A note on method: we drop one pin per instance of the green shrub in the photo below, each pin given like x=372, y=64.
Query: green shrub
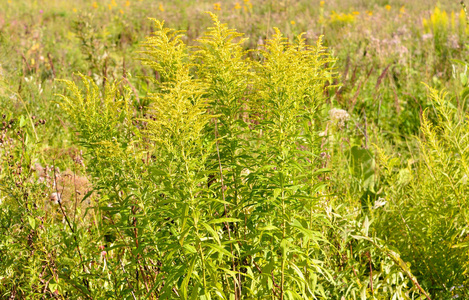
x=427, y=216
x=212, y=186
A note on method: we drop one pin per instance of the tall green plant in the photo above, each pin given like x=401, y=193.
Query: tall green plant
x=218, y=190
x=427, y=214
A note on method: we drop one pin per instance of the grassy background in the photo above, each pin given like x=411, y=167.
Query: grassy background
x=385, y=51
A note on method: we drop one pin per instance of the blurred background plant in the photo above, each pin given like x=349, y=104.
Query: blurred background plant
x=376, y=161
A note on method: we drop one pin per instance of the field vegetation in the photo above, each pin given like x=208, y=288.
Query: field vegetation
x=249, y=149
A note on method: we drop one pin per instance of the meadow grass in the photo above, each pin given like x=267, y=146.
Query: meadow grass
x=266, y=150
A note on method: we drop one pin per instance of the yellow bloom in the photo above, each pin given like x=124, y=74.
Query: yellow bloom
x=95, y=4
x=121, y=11
x=237, y=5
x=246, y=1
x=322, y=3
x=110, y=6
x=402, y=9
x=217, y=6
x=75, y=10
x=292, y=22
x=127, y=3
x=160, y=7
x=370, y=13
x=388, y=7
x=355, y=13
x=113, y=3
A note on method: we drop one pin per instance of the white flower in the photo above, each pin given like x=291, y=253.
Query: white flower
x=56, y=198
x=380, y=202
x=427, y=36
x=339, y=115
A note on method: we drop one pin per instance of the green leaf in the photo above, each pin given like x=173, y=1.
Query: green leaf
x=223, y=220
x=461, y=245
x=32, y=222
x=22, y=121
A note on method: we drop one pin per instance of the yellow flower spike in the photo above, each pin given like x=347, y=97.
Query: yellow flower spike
x=388, y=7
x=95, y=4
x=462, y=21
x=321, y=4
x=121, y=11
x=127, y=3
x=110, y=6
x=160, y=7
x=402, y=9
x=113, y=3
x=237, y=6
x=217, y=6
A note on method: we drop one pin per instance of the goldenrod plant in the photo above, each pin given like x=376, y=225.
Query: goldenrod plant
x=185, y=159
x=216, y=190
x=426, y=209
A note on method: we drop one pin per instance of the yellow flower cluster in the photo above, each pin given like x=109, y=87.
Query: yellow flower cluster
x=342, y=18
x=439, y=23
x=112, y=4
x=217, y=6
x=247, y=5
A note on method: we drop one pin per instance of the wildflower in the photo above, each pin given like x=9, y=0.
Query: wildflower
x=121, y=11
x=217, y=6
x=339, y=115
x=370, y=13
x=75, y=10
x=388, y=7
x=41, y=11
x=113, y=3
x=127, y=3
x=453, y=41
x=237, y=6
x=95, y=4
x=160, y=7
x=355, y=13
x=56, y=198
x=292, y=22
x=402, y=9
x=321, y=4
x=380, y=202
x=248, y=5
x=427, y=36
